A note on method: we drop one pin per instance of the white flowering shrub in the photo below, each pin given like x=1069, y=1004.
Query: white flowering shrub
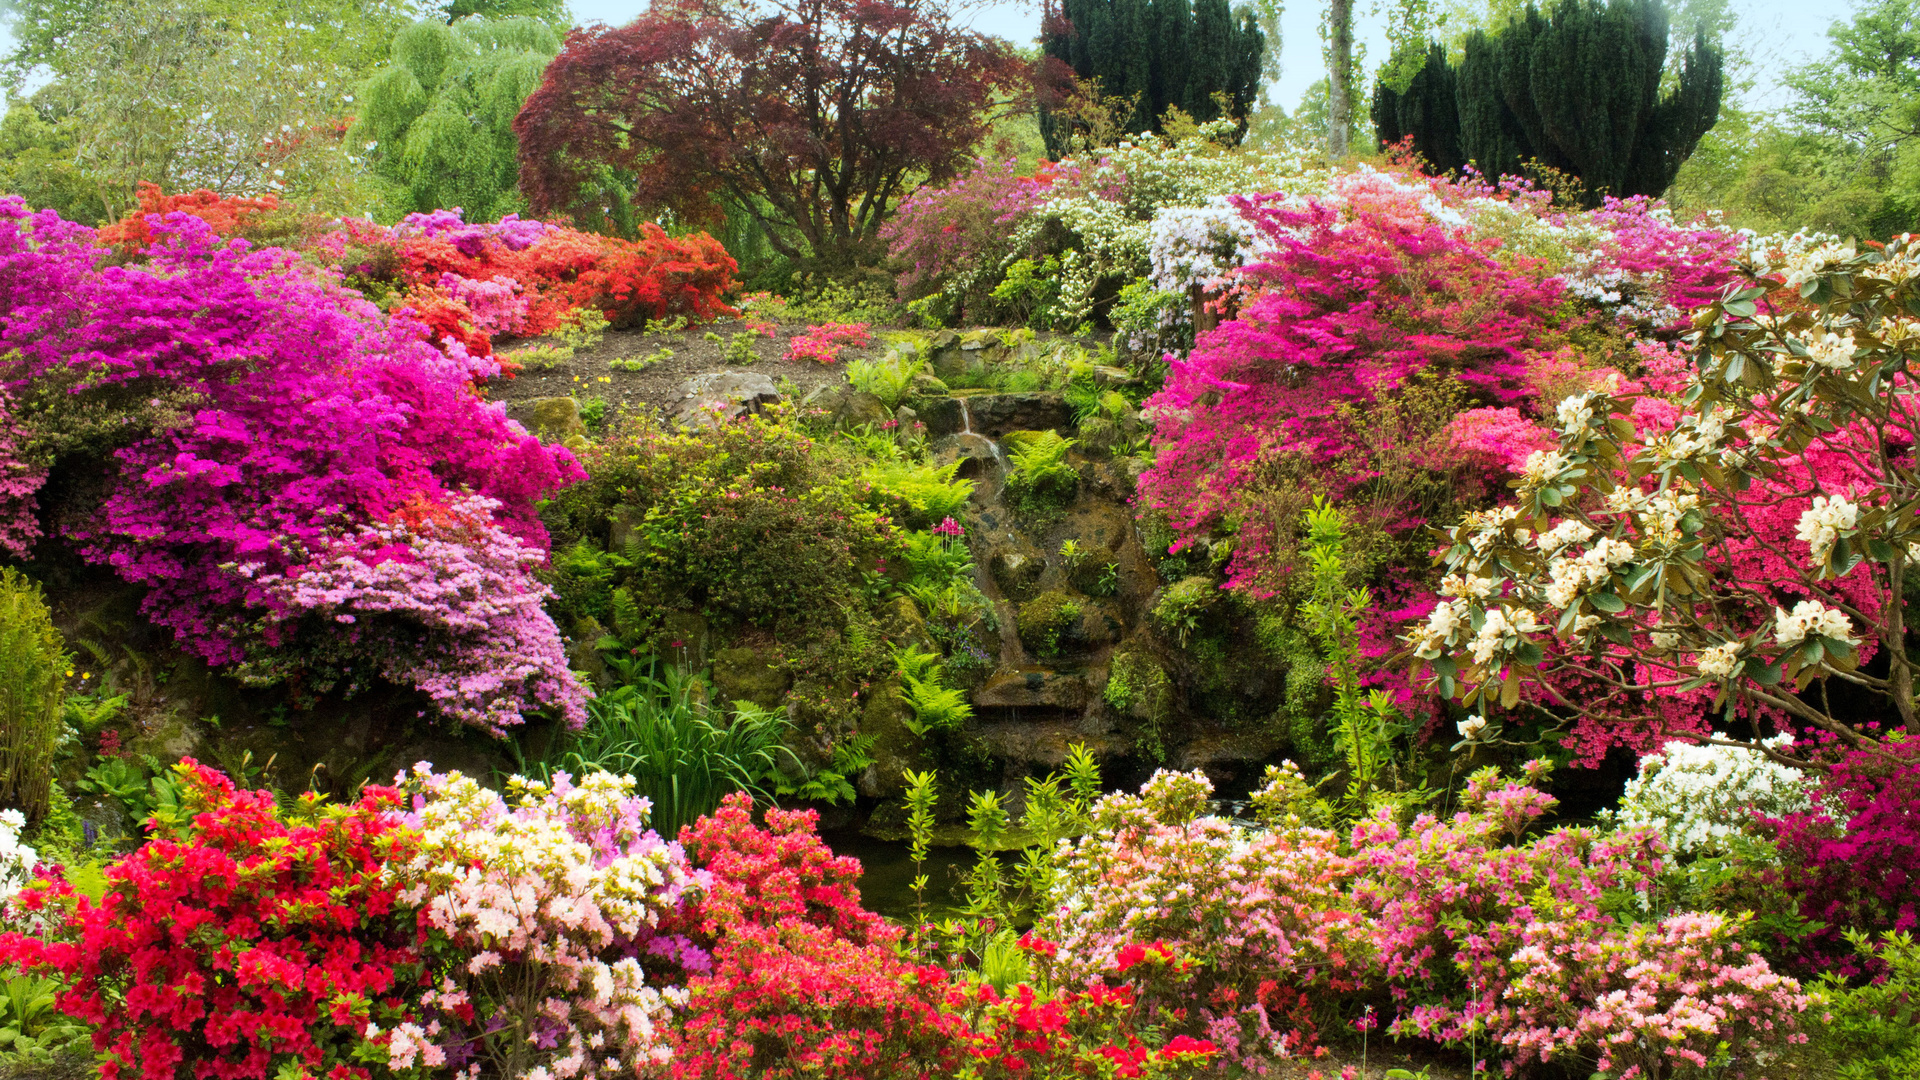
x=17, y=860
x=1700, y=798
x=1653, y=574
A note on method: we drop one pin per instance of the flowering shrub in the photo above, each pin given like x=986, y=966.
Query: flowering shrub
x=239, y=942
x=225, y=215
x=257, y=415
x=1852, y=858
x=541, y=911
x=1649, y=556
x=1350, y=305
x=1697, y=799
x=17, y=860
x=823, y=344
x=470, y=281
x=1469, y=931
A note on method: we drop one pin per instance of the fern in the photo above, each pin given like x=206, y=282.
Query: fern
x=930, y=492
x=889, y=378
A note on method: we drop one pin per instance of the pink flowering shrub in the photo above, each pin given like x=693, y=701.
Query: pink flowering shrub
x=1348, y=306
x=1458, y=929
x=19, y=480
x=540, y=914
x=444, y=598
x=823, y=344
x=261, y=416
x=949, y=238
x=1852, y=860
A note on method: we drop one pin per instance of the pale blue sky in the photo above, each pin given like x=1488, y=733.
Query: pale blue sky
x=1778, y=33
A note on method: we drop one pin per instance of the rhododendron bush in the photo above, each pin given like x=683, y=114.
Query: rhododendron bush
x=299, y=482
x=1731, y=553
x=1461, y=929
x=472, y=281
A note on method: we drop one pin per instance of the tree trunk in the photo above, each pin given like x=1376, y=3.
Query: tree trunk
x=1339, y=76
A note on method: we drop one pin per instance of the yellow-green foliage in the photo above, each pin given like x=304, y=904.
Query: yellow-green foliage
x=889, y=378
x=582, y=328
x=929, y=492
x=33, y=680
x=1041, y=476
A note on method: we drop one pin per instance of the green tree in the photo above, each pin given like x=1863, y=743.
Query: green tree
x=438, y=117
x=1156, y=54
x=37, y=139
x=241, y=96
x=1423, y=109
x=1587, y=91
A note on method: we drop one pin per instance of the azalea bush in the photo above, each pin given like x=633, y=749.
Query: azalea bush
x=295, y=479
x=525, y=278
x=239, y=941
x=1657, y=572
x=1464, y=930
x=1851, y=859
x=541, y=912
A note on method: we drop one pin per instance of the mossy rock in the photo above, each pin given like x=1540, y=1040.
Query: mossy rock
x=1050, y=622
x=747, y=674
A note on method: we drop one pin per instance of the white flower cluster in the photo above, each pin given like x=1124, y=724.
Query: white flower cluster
x=1804, y=265
x=1696, y=436
x=1199, y=246
x=1821, y=525
x=1774, y=251
x=1811, y=618
x=17, y=860
x=1628, y=296
x=1697, y=798
x=1575, y=413
x=550, y=890
x=1568, y=577
x=1717, y=661
x=1542, y=467
x=1832, y=351
x=1656, y=516
x=1498, y=629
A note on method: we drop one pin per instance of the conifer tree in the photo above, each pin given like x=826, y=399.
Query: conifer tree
x=1578, y=91
x=1168, y=52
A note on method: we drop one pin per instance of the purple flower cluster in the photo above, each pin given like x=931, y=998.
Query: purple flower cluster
x=301, y=415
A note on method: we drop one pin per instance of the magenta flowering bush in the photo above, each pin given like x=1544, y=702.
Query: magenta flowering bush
x=1465, y=930
x=1852, y=858
x=19, y=480
x=252, y=416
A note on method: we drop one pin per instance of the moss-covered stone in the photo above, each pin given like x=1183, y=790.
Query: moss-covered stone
x=749, y=674
x=1050, y=622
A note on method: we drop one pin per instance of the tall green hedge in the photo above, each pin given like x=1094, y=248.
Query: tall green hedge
x=33, y=679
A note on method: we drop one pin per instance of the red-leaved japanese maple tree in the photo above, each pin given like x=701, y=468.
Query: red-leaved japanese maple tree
x=811, y=115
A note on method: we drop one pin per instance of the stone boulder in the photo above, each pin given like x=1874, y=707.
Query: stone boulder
x=746, y=674
x=722, y=395
x=994, y=415
x=554, y=419
x=1038, y=689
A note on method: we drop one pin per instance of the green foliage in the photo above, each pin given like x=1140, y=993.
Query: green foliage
x=1579, y=91
x=1184, y=604
x=1040, y=478
x=32, y=1028
x=582, y=328
x=890, y=378
x=538, y=357
x=147, y=793
x=683, y=753
x=740, y=350
x=439, y=115
x=1873, y=1030
x=641, y=363
x=751, y=523
x=921, y=797
x=33, y=684
x=1363, y=725
x=832, y=783
x=235, y=95
x=924, y=494
x=936, y=706
x=1048, y=620
x=1029, y=291
x=38, y=139
x=1194, y=55
x=1138, y=686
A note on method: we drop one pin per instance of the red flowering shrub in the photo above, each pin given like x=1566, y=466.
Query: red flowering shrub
x=805, y=982
x=822, y=344
x=226, y=216
x=1853, y=859
x=238, y=943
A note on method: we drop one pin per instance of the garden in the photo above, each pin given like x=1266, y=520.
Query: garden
x=806, y=541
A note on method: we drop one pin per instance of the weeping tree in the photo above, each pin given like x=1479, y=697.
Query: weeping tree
x=1194, y=54
x=438, y=117
x=1579, y=91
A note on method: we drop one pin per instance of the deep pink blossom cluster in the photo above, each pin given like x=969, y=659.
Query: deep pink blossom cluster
x=1852, y=860
x=301, y=416
x=19, y=480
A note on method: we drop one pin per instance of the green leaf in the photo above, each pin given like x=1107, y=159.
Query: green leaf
x=1608, y=602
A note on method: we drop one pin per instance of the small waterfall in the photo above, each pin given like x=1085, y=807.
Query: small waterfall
x=966, y=418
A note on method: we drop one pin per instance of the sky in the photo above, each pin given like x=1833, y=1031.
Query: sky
x=1778, y=33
